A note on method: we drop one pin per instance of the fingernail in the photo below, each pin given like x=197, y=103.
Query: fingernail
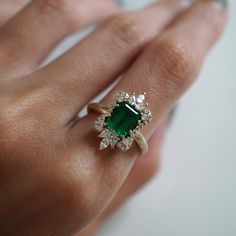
x=220, y=3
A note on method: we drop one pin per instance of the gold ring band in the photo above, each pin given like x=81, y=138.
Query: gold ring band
x=138, y=137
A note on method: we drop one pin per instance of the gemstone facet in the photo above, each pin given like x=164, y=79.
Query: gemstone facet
x=123, y=119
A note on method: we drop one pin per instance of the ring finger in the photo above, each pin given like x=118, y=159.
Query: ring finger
x=165, y=69
x=171, y=63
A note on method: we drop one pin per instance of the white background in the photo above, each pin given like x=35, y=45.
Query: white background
x=195, y=192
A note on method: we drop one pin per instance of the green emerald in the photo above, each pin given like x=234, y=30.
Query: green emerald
x=123, y=119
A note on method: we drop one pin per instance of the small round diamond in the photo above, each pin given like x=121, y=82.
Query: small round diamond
x=122, y=96
x=146, y=116
x=99, y=123
x=124, y=144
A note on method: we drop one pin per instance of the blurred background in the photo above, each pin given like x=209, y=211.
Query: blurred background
x=195, y=192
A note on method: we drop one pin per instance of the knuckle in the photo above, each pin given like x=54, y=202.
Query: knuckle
x=217, y=26
x=60, y=5
x=13, y=135
x=6, y=120
x=215, y=21
x=64, y=8
x=177, y=63
x=127, y=30
x=20, y=127
x=22, y=123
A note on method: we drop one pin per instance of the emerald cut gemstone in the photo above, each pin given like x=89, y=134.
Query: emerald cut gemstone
x=123, y=119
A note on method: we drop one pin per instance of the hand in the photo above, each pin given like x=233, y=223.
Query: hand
x=53, y=179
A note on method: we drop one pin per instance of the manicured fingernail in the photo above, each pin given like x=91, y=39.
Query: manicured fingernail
x=220, y=3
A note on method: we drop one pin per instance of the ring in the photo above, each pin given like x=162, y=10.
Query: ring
x=119, y=125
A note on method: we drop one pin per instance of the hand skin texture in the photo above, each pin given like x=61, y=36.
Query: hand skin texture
x=53, y=179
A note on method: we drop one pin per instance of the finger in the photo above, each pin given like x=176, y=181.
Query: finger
x=171, y=63
x=164, y=70
x=29, y=37
x=8, y=9
x=90, y=66
x=144, y=169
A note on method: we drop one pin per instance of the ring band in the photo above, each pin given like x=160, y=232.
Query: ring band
x=120, y=124
x=139, y=138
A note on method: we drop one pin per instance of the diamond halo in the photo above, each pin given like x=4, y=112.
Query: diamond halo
x=112, y=138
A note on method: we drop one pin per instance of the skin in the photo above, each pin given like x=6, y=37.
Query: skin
x=53, y=179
